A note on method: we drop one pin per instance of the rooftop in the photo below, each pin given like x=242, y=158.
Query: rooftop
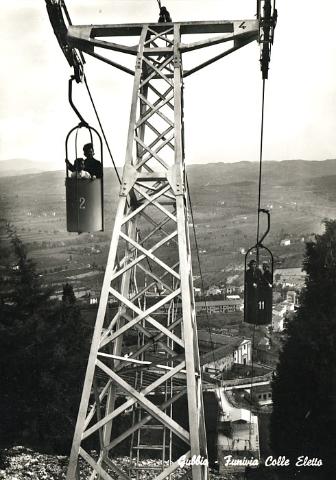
x=214, y=303
x=219, y=353
x=297, y=271
x=218, y=338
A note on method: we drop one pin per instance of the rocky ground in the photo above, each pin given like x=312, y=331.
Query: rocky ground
x=20, y=463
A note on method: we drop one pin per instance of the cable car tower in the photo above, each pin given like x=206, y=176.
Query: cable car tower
x=150, y=240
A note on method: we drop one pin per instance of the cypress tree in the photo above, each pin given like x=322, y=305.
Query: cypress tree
x=303, y=421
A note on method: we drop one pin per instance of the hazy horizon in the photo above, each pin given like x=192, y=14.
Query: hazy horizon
x=36, y=167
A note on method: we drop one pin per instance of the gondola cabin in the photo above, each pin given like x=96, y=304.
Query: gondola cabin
x=258, y=286
x=84, y=204
x=84, y=188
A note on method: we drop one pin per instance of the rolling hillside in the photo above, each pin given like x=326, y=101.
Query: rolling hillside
x=299, y=194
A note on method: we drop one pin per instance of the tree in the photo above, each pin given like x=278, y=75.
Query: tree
x=44, y=348
x=68, y=297
x=65, y=358
x=303, y=421
x=25, y=304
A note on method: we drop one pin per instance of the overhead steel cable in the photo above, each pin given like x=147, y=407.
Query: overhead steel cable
x=261, y=157
x=101, y=128
x=201, y=275
x=258, y=232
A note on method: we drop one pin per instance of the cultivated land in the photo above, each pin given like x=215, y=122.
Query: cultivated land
x=299, y=194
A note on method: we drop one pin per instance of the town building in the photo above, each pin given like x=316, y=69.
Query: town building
x=227, y=350
x=219, y=360
x=262, y=394
x=264, y=343
x=289, y=277
x=278, y=317
x=233, y=290
x=197, y=292
x=213, y=290
x=220, y=306
x=279, y=313
x=291, y=297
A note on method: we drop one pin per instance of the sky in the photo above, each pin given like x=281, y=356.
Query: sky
x=222, y=102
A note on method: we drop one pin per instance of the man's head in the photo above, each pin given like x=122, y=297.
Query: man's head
x=88, y=150
x=252, y=264
x=265, y=266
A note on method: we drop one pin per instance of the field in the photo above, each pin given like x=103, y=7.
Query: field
x=298, y=194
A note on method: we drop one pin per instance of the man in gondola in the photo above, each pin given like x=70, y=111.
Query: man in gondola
x=265, y=295
x=92, y=165
x=252, y=286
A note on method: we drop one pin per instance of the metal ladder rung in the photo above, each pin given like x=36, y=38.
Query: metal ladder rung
x=147, y=467
x=152, y=427
x=149, y=447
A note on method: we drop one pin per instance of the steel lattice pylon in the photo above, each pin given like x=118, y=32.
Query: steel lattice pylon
x=153, y=197
x=150, y=247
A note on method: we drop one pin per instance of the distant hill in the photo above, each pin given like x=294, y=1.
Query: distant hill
x=20, y=166
x=299, y=194
x=287, y=172
x=205, y=180
x=239, y=174
x=326, y=181
x=45, y=182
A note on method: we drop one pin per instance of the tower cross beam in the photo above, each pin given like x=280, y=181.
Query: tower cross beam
x=135, y=29
x=86, y=38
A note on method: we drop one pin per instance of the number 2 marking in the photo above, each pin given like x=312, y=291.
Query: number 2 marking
x=82, y=203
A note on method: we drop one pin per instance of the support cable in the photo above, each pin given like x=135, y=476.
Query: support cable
x=260, y=157
x=201, y=275
x=257, y=244
x=101, y=128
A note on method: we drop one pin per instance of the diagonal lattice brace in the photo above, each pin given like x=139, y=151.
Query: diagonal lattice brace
x=148, y=405
x=99, y=469
x=148, y=254
x=129, y=403
x=151, y=200
x=158, y=194
x=158, y=72
x=160, y=35
x=156, y=110
x=159, y=103
x=146, y=315
x=144, y=420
